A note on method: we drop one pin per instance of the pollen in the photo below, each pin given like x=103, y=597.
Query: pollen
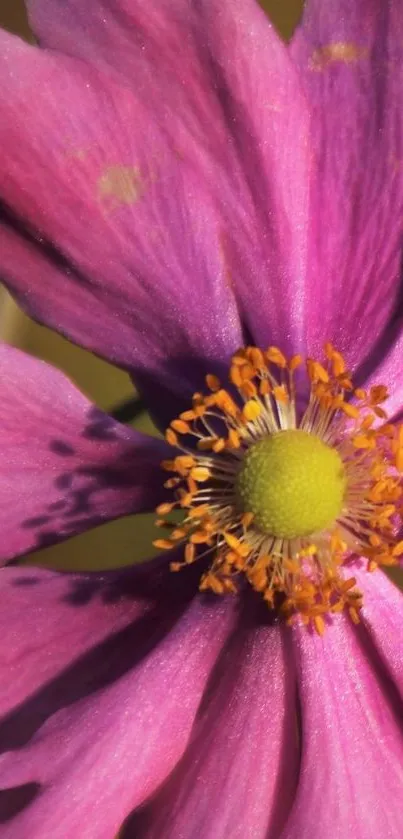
x=280, y=499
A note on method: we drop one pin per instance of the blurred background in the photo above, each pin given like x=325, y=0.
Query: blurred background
x=128, y=539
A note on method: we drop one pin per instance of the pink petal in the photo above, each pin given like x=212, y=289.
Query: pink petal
x=103, y=676
x=352, y=750
x=108, y=234
x=389, y=371
x=382, y=617
x=350, y=57
x=268, y=120
x=65, y=466
x=246, y=124
x=237, y=778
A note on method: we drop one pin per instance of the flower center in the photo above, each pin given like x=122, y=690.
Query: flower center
x=292, y=483
x=280, y=499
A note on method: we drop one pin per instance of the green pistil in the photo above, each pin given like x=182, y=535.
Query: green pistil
x=293, y=483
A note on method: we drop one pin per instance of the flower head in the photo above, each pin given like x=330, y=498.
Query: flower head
x=281, y=500
x=176, y=184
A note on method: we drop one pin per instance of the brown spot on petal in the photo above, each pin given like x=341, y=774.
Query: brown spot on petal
x=224, y=257
x=119, y=185
x=396, y=163
x=79, y=154
x=340, y=52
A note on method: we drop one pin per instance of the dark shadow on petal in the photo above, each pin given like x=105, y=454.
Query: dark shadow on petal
x=253, y=613
x=97, y=669
x=291, y=737
x=376, y=663
x=16, y=799
x=34, y=237
x=26, y=582
x=140, y=820
x=63, y=481
x=165, y=598
x=384, y=342
x=78, y=507
x=100, y=426
x=56, y=505
x=164, y=404
x=62, y=448
x=37, y=521
x=128, y=410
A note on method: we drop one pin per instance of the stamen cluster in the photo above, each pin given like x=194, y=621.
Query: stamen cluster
x=303, y=575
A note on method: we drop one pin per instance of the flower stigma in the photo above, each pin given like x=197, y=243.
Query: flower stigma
x=282, y=497
x=293, y=483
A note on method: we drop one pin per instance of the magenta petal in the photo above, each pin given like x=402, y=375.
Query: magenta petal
x=350, y=58
x=352, y=749
x=382, y=616
x=237, y=778
x=65, y=466
x=265, y=243
x=109, y=234
x=245, y=111
x=103, y=677
x=389, y=371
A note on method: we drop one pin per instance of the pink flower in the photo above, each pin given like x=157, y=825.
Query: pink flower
x=177, y=183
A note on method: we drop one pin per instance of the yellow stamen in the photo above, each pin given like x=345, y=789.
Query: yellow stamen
x=213, y=382
x=317, y=372
x=251, y=410
x=171, y=437
x=180, y=426
x=235, y=375
x=233, y=440
x=275, y=355
x=349, y=410
x=290, y=550
x=295, y=362
x=200, y=473
x=164, y=509
x=280, y=393
x=188, y=416
x=163, y=544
